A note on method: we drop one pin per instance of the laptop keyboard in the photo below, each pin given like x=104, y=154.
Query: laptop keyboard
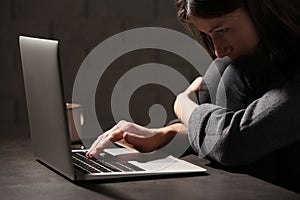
x=101, y=165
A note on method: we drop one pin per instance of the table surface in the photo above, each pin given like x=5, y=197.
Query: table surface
x=22, y=177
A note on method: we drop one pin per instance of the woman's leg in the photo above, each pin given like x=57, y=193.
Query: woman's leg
x=245, y=80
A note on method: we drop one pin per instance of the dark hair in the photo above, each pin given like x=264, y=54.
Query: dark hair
x=277, y=22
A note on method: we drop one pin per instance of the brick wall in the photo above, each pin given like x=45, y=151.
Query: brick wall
x=79, y=25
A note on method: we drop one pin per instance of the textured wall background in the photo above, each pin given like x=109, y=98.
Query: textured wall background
x=79, y=25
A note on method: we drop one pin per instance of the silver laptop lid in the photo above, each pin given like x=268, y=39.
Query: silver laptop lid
x=45, y=103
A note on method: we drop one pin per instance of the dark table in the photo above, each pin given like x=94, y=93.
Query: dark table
x=22, y=177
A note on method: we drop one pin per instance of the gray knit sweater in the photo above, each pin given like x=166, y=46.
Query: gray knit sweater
x=241, y=135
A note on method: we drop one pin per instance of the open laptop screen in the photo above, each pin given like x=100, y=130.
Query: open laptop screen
x=45, y=103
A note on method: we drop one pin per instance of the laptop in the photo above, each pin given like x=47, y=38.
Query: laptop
x=49, y=126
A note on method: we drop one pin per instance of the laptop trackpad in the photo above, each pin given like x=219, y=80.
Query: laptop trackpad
x=156, y=161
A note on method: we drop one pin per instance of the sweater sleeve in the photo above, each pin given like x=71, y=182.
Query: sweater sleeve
x=243, y=136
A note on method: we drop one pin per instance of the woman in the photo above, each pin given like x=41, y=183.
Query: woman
x=262, y=85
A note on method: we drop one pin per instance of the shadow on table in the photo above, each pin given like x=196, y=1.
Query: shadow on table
x=100, y=186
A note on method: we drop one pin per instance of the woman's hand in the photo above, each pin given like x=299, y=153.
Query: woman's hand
x=135, y=136
x=146, y=139
x=186, y=101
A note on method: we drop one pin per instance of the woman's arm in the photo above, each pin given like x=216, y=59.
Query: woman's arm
x=132, y=135
x=242, y=136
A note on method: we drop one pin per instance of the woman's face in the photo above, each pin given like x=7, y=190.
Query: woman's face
x=233, y=35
